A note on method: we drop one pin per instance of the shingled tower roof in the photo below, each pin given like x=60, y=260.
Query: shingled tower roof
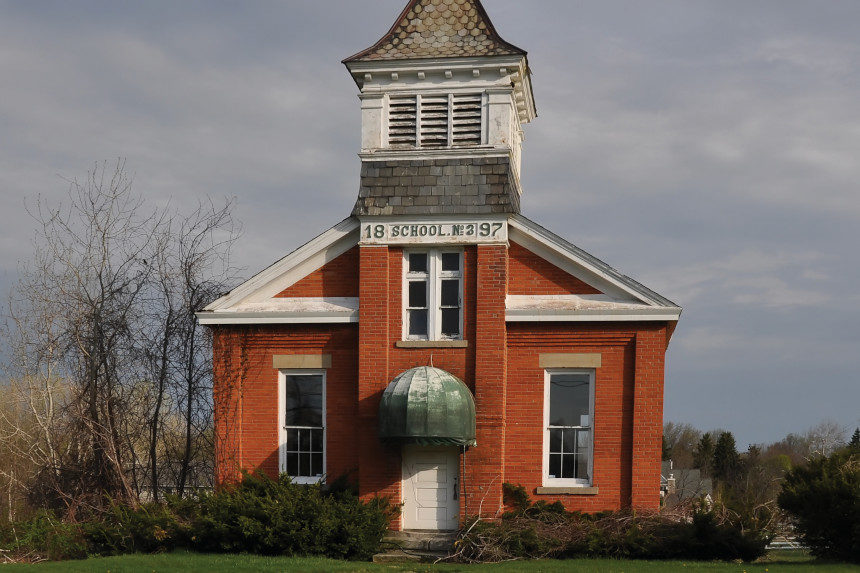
x=439, y=29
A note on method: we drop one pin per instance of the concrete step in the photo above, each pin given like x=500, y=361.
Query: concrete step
x=396, y=556
x=421, y=540
x=415, y=546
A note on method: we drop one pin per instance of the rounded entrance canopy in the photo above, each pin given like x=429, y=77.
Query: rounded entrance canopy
x=428, y=406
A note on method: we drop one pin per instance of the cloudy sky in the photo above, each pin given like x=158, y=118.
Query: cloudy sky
x=709, y=149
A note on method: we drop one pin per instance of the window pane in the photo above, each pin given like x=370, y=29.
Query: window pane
x=555, y=465
x=305, y=440
x=317, y=465
x=293, y=464
x=417, y=262
x=304, y=400
x=555, y=440
x=451, y=293
x=570, y=441
x=450, y=261
x=418, y=323
x=418, y=294
x=582, y=467
x=568, y=467
x=293, y=440
x=451, y=321
x=582, y=439
x=569, y=399
x=317, y=440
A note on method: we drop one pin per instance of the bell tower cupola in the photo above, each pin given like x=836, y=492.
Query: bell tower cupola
x=443, y=102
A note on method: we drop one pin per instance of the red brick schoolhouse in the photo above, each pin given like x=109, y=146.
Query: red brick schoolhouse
x=437, y=343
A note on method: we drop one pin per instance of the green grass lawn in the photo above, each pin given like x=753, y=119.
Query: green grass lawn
x=191, y=562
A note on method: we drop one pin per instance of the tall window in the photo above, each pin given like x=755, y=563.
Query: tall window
x=303, y=425
x=434, y=295
x=568, y=407
x=442, y=120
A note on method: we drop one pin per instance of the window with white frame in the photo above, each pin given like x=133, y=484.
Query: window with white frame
x=435, y=121
x=568, y=438
x=433, y=295
x=302, y=416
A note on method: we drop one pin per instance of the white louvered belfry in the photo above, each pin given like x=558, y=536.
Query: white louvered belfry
x=434, y=121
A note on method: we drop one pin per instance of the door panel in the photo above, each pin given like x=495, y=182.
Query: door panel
x=430, y=488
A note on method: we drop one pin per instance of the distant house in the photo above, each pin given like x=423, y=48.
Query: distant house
x=438, y=343
x=679, y=485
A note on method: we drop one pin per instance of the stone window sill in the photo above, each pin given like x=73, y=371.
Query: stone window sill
x=566, y=491
x=432, y=344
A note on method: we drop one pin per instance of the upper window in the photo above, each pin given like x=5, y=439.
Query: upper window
x=568, y=438
x=433, y=295
x=303, y=425
x=434, y=121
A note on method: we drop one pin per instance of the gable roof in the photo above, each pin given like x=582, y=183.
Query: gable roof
x=575, y=261
x=622, y=298
x=439, y=29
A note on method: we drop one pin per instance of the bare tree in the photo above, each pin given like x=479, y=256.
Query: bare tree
x=107, y=355
x=826, y=438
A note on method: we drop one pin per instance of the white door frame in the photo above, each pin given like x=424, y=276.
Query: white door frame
x=448, y=491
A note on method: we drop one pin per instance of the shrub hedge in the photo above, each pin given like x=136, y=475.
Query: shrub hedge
x=259, y=515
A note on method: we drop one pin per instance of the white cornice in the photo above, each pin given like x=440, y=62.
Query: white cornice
x=513, y=70
x=575, y=308
x=237, y=318
x=388, y=154
x=306, y=310
x=548, y=315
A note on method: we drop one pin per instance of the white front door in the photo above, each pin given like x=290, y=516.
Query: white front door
x=430, y=488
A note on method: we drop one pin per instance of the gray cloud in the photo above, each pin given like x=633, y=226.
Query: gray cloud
x=707, y=149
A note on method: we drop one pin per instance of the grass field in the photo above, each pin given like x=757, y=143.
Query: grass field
x=789, y=561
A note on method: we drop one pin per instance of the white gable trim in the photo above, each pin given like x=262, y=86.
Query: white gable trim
x=287, y=311
x=292, y=268
x=584, y=266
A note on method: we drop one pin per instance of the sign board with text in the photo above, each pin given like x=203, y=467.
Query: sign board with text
x=433, y=232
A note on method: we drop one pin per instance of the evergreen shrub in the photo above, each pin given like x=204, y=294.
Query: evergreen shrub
x=278, y=517
x=823, y=498
x=259, y=515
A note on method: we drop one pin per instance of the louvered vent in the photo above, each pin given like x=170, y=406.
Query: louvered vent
x=402, y=124
x=434, y=121
x=466, y=128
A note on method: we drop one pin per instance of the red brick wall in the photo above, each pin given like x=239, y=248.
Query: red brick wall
x=246, y=394
x=500, y=365
x=484, y=464
x=530, y=274
x=379, y=465
x=628, y=413
x=337, y=278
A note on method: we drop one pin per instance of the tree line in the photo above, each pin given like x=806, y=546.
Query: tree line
x=746, y=485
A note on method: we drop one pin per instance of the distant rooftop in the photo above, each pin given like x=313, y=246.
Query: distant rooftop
x=439, y=29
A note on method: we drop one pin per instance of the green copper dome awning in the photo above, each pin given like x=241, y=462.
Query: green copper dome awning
x=428, y=406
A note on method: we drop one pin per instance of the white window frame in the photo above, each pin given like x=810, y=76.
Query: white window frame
x=435, y=276
x=568, y=482
x=283, y=430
